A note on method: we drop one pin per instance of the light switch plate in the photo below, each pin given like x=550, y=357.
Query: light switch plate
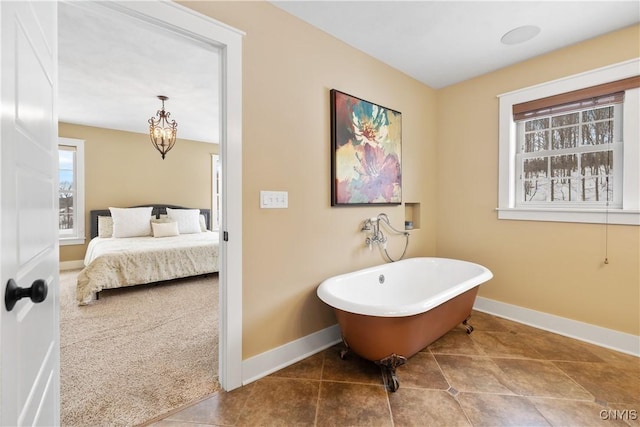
x=274, y=199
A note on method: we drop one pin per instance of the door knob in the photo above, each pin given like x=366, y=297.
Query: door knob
x=37, y=292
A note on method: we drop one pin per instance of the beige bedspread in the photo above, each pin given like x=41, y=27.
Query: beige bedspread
x=115, y=263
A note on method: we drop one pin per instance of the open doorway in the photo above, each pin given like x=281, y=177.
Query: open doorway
x=178, y=20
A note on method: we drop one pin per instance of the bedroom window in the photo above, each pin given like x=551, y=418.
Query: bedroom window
x=71, y=191
x=570, y=149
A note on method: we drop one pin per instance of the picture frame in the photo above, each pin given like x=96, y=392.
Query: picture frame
x=366, y=152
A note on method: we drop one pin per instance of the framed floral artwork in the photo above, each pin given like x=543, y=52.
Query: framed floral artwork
x=366, y=156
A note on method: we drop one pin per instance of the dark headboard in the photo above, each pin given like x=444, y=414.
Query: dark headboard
x=158, y=209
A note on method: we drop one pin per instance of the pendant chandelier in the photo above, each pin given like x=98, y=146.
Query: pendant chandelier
x=162, y=131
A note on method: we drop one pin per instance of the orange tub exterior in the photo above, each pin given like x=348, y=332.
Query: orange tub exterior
x=376, y=338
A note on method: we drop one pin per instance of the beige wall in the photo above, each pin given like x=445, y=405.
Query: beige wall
x=288, y=69
x=551, y=267
x=123, y=169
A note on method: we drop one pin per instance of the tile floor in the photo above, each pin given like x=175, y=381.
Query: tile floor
x=504, y=373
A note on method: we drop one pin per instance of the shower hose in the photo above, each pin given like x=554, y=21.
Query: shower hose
x=384, y=218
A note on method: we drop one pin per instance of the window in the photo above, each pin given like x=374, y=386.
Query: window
x=71, y=191
x=570, y=150
x=569, y=158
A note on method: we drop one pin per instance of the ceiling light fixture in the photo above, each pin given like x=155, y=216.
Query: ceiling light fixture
x=162, y=131
x=520, y=34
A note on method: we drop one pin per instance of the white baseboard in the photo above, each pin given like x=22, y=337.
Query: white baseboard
x=603, y=337
x=71, y=265
x=271, y=361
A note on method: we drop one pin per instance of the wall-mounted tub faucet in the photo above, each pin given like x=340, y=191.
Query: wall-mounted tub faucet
x=375, y=236
x=372, y=225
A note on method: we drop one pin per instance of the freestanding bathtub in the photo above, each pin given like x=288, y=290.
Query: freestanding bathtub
x=390, y=312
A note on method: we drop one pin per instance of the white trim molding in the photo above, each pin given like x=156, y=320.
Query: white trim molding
x=603, y=337
x=273, y=360
x=180, y=19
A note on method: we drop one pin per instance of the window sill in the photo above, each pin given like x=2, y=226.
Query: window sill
x=68, y=241
x=591, y=216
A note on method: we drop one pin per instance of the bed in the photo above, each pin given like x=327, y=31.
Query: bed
x=146, y=244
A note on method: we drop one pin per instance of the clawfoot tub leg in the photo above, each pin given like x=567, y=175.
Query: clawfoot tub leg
x=467, y=326
x=388, y=366
x=345, y=351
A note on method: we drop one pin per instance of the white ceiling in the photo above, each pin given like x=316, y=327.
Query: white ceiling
x=111, y=68
x=444, y=42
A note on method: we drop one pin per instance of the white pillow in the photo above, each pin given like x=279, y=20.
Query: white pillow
x=203, y=223
x=105, y=226
x=131, y=222
x=164, y=229
x=188, y=219
x=163, y=218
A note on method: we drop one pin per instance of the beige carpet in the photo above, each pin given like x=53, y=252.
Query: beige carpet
x=138, y=352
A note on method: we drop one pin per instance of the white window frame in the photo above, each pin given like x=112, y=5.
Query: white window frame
x=626, y=212
x=78, y=238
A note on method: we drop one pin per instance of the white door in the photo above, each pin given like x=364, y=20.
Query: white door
x=29, y=341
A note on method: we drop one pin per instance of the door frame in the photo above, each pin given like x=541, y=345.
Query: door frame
x=228, y=40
